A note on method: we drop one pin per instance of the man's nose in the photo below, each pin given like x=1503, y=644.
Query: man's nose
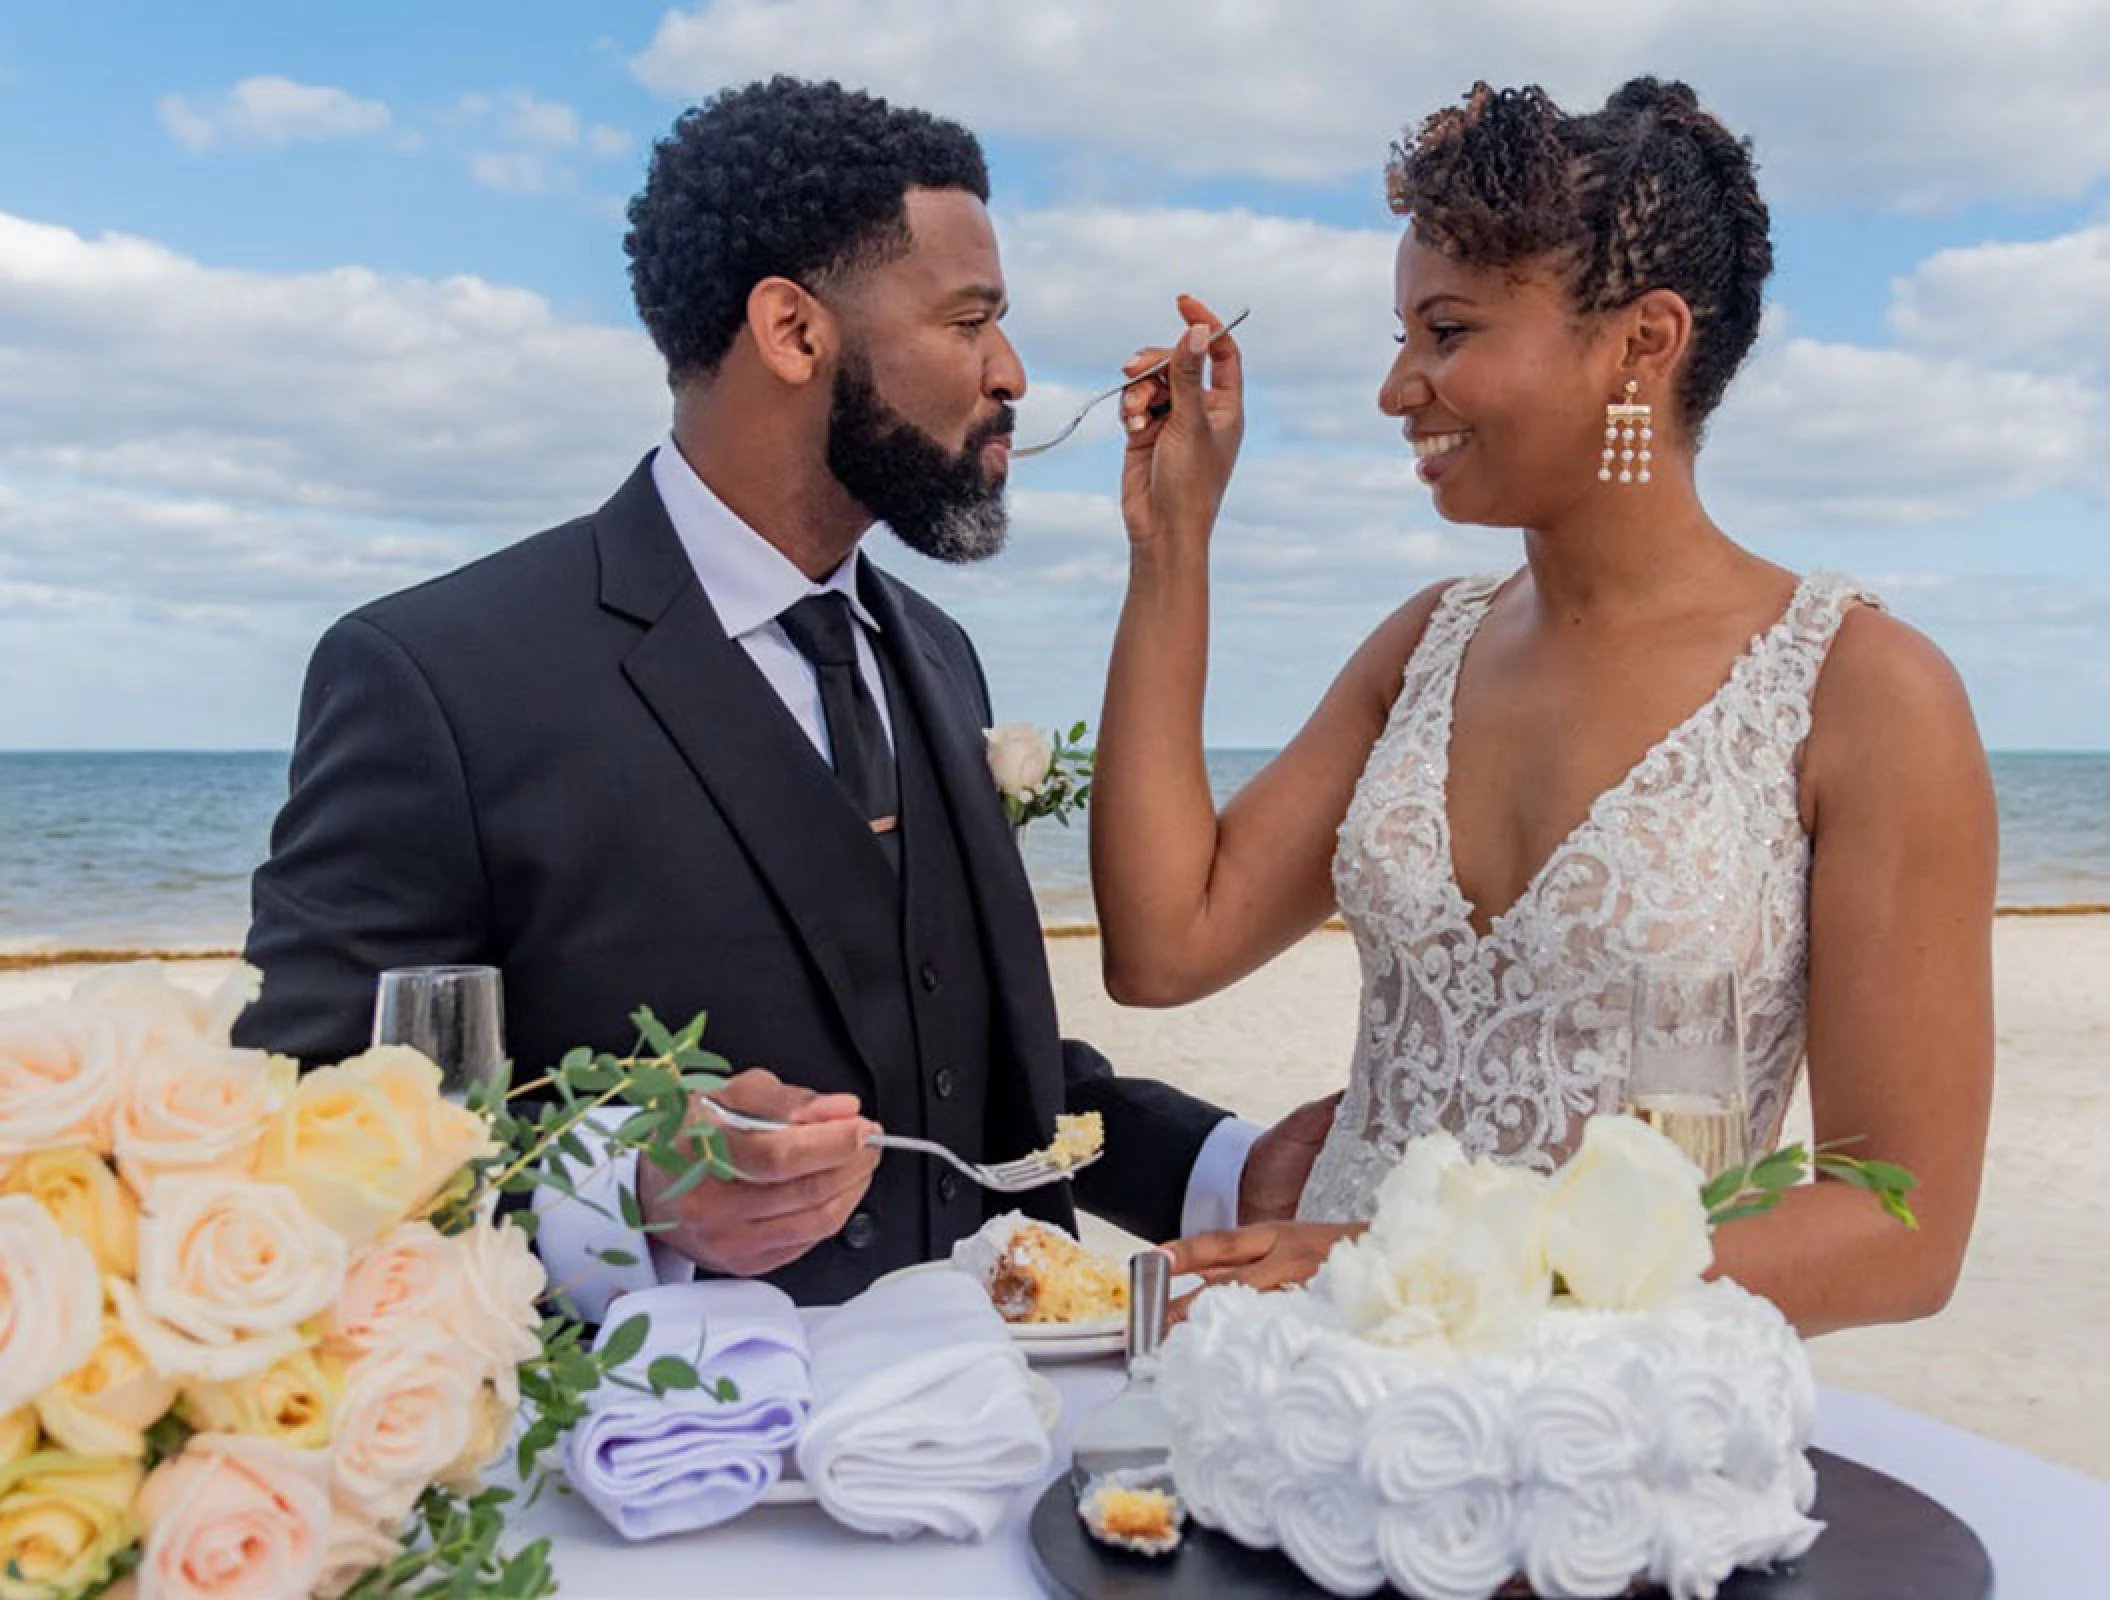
x=1005, y=376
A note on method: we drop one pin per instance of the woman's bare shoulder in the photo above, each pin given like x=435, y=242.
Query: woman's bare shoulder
x=1381, y=660
x=1889, y=704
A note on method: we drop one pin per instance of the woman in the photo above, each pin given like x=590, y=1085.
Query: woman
x=1647, y=744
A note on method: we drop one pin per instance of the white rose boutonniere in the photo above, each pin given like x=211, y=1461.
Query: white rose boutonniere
x=1038, y=774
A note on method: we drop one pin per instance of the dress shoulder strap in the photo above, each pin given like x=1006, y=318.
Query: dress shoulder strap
x=1812, y=622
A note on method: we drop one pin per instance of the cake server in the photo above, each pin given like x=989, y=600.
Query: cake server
x=1131, y=1430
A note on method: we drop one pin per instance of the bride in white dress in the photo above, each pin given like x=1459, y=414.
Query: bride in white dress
x=1646, y=744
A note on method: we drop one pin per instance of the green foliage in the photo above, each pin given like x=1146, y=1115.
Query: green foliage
x=637, y=1103
x=1756, y=1187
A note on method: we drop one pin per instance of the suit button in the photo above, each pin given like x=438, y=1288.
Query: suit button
x=949, y=1188
x=944, y=1083
x=858, y=1231
x=929, y=975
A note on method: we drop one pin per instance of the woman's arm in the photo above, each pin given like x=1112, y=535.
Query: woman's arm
x=1189, y=902
x=1900, y=806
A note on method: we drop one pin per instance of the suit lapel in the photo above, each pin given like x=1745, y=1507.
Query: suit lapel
x=996, y=873
x=804, y=836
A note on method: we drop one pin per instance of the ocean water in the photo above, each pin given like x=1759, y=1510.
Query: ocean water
x=152, y=850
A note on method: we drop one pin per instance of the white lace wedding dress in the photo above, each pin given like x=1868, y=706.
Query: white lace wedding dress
x=1511, y=1040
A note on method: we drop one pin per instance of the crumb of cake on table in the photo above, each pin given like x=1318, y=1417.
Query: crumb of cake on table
x=1141, y=1517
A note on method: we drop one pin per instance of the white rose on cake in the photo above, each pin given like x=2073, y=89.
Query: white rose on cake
x=1625, y=1226
x=1456, y=1252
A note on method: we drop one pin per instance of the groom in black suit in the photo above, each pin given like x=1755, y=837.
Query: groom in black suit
x=696, y=751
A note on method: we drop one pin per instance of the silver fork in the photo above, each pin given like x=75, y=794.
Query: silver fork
x=1005, y=1177
x=1085, y=410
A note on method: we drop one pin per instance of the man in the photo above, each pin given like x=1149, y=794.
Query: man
x=695, y=751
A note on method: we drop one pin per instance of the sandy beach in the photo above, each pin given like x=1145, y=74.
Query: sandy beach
x=2017, y=1356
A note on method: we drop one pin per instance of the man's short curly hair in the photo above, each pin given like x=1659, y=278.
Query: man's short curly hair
x=1649, y=193
x=785, y=178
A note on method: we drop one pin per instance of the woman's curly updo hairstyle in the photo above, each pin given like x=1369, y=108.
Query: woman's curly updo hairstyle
x=779, y=179
x=1649, y=193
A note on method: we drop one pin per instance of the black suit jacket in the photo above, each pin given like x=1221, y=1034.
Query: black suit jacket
x=555, y=761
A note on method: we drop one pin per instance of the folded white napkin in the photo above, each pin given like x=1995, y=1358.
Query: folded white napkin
x=925, y=1414
x=654, y=1465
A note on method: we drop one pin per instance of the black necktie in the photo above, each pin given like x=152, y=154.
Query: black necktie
x=822, y=629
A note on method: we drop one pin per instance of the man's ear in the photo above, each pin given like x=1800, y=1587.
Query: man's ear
x=793, y=333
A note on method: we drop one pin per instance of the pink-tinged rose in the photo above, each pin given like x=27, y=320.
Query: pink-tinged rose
x=490, y=1430
x=61, y=1067
x=448, y=1136
x=357, y=1546
x=19, y=1434
x=408, y=1278
x=294, y=1401
x=106, y=1404
x=63, y=1519
x=235, y=1517
x=51, y=1302
x=194, y=1106
x=369, y=1142
x=409, y=1413
x=159, y=1012
x=501, y=1283
x=84, y=1198
x=228, y=1269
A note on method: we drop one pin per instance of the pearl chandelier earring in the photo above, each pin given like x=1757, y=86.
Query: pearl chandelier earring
x=1627, y=433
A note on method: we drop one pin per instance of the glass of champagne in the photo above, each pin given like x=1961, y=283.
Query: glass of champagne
x=1685, y=1075
x=455, y=1015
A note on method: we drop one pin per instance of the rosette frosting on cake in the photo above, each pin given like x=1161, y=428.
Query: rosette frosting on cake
x=1509, y=1376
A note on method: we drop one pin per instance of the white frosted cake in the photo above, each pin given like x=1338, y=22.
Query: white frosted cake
x=1510, y=1380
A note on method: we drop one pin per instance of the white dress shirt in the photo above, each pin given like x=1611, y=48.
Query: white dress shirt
x=750, y=584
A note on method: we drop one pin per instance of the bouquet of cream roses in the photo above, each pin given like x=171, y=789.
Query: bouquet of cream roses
x=252, y=1320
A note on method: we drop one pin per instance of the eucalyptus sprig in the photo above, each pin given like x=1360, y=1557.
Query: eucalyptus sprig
x=1756, y=1187
x=633, y=1103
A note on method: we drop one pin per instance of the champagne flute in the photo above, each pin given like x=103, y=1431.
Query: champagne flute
x=1685, y=1073
x=455, y=1015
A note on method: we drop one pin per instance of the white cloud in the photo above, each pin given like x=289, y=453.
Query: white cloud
x=272, y=111
x=1843, y=101
x=452, y=402
x=532, y=137
x=1845, y=435
x=544, y=124
x=2041, y=302
x=513, y=171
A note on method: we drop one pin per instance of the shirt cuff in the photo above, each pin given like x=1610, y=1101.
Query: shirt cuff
x=576, y=1240
x=1212, y=1184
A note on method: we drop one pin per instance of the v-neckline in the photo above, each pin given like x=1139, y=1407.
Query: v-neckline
x=1756, y=646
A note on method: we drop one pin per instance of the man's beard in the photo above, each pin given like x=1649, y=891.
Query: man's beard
x=938, y=503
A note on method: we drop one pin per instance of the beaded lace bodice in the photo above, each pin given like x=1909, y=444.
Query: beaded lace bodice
x=1509, y=1040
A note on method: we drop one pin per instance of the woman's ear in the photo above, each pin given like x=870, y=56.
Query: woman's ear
x=792, y=331
x=1659, y=334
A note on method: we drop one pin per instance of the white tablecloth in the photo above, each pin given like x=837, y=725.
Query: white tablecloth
x=2043, y=1524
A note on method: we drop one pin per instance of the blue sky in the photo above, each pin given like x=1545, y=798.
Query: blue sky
x=301, y=304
